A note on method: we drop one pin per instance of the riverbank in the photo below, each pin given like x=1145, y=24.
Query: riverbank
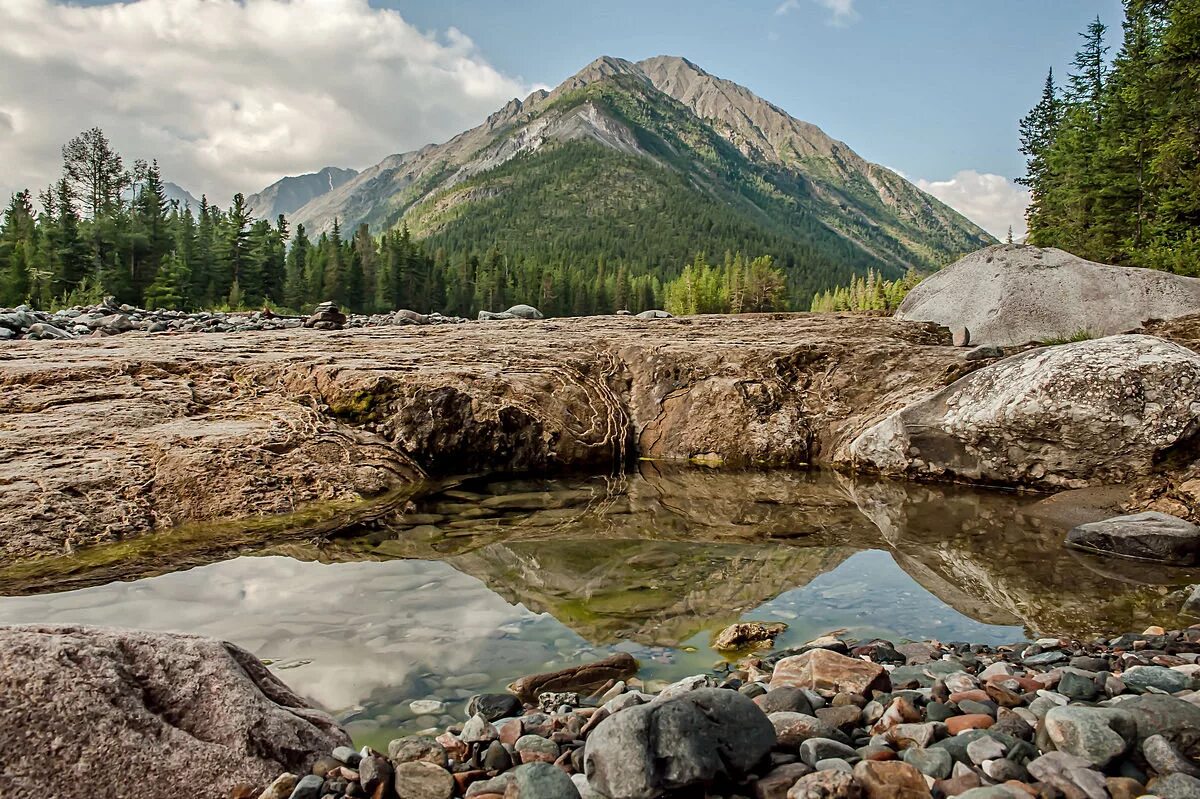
x=1113, y=717
x=119, y=437
x=835, y=718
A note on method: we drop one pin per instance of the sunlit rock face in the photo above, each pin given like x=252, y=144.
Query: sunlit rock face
x=1011, y=294
x=1088, y=413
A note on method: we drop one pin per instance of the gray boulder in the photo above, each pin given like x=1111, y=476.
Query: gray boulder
x=407, y=317
x=1174, y=719
x=1144, y=536
x=687, y=742
x=491, y=316
x=138, y=714
x=524, y=312
x=1013, y=294
x=1068, y=416
x=654, y=313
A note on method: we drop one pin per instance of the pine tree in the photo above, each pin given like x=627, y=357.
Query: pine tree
x=1038, y=131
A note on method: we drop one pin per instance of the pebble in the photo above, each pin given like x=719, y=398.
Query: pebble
x=971, y=721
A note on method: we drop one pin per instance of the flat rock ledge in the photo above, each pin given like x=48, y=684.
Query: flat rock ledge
x=118, y=437
x=92, y=711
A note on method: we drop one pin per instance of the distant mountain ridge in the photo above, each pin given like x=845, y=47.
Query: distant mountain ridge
x=655, y=156
x=286, y=195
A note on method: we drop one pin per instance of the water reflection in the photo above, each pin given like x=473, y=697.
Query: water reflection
x=495, y=578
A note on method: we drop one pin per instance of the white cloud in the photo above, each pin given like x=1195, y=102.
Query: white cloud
x=991, y=201
x=230, y=95
x=843, y=11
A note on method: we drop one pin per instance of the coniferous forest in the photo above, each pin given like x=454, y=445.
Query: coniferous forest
x=1114, y=152
x=106, y=228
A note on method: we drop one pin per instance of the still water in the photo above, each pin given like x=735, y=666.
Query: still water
x=494, y=578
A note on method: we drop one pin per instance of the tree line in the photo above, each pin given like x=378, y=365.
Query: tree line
x=866, y=294
x=1113, y=155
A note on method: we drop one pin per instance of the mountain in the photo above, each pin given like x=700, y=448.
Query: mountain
x=177, y=193
x=172, y=191
x=644, y=164
x=287, y=194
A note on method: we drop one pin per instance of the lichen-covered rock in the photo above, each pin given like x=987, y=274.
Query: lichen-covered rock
x=84, y=709
x=1014, y=294
x=1070, y=416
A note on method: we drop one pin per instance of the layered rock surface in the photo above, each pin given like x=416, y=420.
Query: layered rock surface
x=1095, y=411
x=1012, y=294
x=90, y=712
x=125, y=435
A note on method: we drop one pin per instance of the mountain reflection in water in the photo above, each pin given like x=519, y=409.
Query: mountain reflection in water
x=499, y=577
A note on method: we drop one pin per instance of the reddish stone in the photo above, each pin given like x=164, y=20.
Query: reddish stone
x=1004, y=696
x=890, y=780
x=463, y=779
x=956, y=785
x=823, y=670
x=509, y=731
x=454, y=747
x=975, y=695
x=777, y=782
x=971, y=721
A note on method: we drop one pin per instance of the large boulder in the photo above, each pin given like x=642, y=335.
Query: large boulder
x=90, y=711
x=1073, y=415
x=1145, y=536
x=689, y=742
x=1012, y=294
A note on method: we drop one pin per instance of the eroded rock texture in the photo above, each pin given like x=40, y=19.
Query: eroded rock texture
x=1102, y=411
x=112, y=438
x=90, y=711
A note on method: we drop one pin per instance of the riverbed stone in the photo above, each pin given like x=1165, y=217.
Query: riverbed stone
x=541, y=781
x=1164, y=758
x=416, y=747
x=785, y=699
x=890, y=780
x=1172, y=718
x=831, y=784
x=420, y=779
x=826, y=671
x=814, y=750
x=1097, y=735
x=687, y=741
x=494, y=707
x=1176, y=786
x=1146, y=536
x=1069, y=774
x=793, y=729
x=1140, y=678
x=935, y=763
x=776, y=783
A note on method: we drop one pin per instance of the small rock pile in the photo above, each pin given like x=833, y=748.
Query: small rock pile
x=834, y=719
x=111, y=318
x=326, y=316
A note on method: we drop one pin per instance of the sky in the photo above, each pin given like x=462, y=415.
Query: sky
x=230, y=95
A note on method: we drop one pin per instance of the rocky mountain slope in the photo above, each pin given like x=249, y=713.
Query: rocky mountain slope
x=287, y=194
x=656, y=154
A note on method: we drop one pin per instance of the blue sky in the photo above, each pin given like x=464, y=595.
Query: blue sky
x=231, y=95
x=925, y=86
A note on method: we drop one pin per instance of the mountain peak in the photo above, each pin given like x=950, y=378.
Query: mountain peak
x=665, y=149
